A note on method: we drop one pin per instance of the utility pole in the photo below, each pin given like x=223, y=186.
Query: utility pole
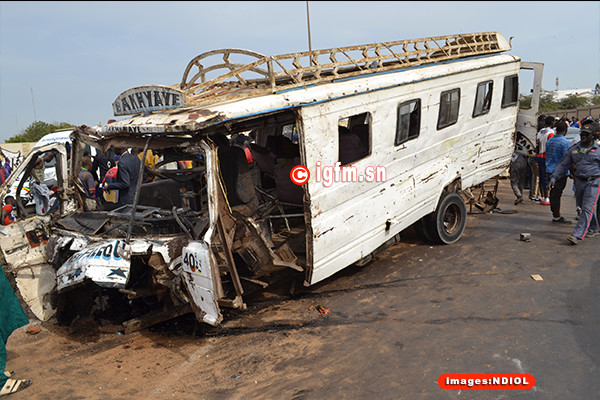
x=557, y=83
x=308, y=22
x=33, y=102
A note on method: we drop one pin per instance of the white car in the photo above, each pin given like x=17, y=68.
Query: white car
x=62, y=136
x=572, y=134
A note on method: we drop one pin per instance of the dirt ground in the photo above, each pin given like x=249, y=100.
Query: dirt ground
x=386, y=330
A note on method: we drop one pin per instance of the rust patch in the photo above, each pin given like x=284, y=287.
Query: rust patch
x=429, y=177
x=318, y=235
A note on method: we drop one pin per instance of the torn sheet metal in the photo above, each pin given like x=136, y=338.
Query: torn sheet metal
x=104, y=264
x=198, y=278
x=36, y=284
x=108, y=263
x=24, y=244
x=88, y=223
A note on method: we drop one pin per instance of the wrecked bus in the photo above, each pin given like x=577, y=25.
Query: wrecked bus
x=381, y=137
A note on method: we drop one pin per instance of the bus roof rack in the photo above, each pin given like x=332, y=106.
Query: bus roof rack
x=273, y=74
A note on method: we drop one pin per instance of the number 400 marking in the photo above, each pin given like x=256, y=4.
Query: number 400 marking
x=191, y=261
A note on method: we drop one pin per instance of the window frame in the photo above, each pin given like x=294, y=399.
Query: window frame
x=367, y=118
x=398, y=142
x=450, y=122
x=490, y=93
x=514, y=102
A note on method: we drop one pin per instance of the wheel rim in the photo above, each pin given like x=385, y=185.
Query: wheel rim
x=452, y=219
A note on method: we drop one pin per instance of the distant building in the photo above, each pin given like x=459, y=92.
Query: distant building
x=561, y=94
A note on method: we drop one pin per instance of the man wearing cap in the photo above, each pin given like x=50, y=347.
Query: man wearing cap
x=585, y=155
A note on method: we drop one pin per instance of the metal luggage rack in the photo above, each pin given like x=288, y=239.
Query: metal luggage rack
x=272, y=74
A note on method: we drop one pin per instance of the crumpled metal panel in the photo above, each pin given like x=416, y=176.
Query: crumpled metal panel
x=104, y=263
x=184, y=120
x=36, y=284
x=107, y=263
x=24, y=244
x=198, y=277
x=87, y=223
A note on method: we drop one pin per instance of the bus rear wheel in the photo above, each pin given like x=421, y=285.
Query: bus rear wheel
x=447, y=224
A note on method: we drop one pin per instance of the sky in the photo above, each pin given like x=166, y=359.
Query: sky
x=68, y=61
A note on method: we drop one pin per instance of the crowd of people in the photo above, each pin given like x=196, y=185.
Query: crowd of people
x=556, y=160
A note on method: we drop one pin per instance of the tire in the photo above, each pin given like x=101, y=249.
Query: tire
x=447, y=224
x=424, y=229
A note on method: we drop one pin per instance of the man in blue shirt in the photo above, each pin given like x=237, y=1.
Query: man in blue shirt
x=556, y=148
x=585, y=155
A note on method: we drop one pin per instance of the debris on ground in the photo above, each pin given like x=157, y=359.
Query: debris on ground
x=323, y=311
x=33, y=330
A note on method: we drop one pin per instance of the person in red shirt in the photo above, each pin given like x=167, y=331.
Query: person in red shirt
x=109, y=198
x=542, y=138
x=8, y=214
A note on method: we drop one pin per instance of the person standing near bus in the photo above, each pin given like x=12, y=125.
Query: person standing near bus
x=556, y=148
x=585, y=155
x=542, y=138
x=89, y=184
x=128, y=172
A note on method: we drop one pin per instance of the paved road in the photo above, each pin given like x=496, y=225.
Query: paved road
x=394, y=326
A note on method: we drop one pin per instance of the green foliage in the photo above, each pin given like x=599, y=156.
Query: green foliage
x=37, y=130
x=525, y=102
x=573, y=101
x=547, y=102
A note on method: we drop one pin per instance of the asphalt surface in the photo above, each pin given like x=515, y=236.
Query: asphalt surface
x=386, y=330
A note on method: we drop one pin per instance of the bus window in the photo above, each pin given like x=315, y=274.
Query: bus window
x=449, y=104
x=510, y=95
x=354, y=135
x=408, y=122
x=483, y=98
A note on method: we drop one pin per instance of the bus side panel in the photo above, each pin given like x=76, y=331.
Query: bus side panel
x=350, y=220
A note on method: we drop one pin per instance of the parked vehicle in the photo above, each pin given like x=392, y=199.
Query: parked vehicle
x=572, y=133
x=391, y=135
x=62, y=137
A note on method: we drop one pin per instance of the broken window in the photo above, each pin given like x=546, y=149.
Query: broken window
x=37, y=187
x=449, y=104
x=483, y=98
x=510, y=95
x=408, y=123
x=354, y=135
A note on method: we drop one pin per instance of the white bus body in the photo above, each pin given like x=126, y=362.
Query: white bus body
x=433, y=124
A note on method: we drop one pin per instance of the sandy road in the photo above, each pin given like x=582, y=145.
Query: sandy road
x=394, y=326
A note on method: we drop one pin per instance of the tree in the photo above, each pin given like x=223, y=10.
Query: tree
x=547, y=102
x=37, y=130
x=573, y=101
x=524, y=102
